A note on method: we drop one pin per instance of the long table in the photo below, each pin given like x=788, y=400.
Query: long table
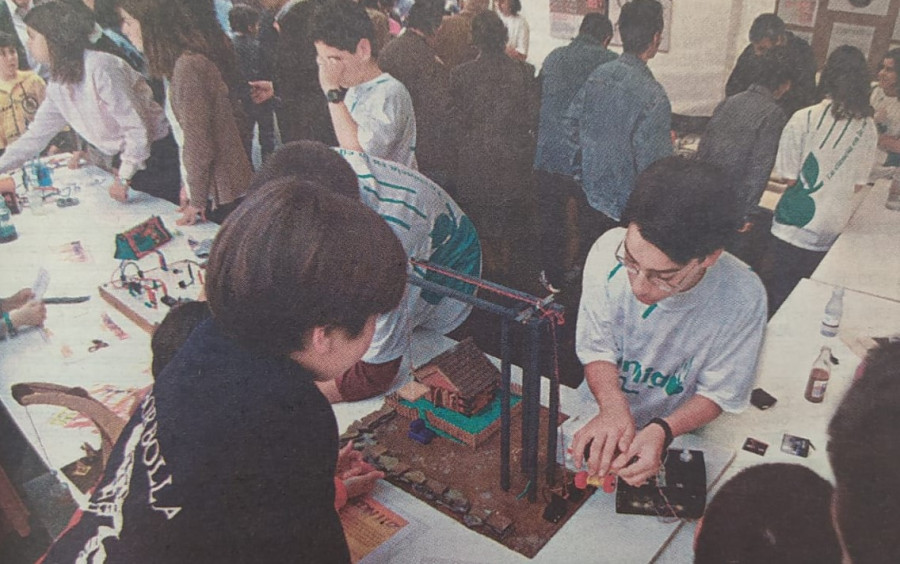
x=113, y=372
x=865, y=256
x=791, y=345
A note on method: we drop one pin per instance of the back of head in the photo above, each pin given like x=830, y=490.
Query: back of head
x=173, y=331
x=311, y=161
x=686, y=208
x=168, y=29
x=845, y=79
x=863, y=448
x=342, y=24
x=773, y=68
x=772, y=513
x=639, y=22
x=294, y=256
x=426, y=16
x=242, y=17
x=476, y=6
x=488, y=32
x=766, y=26
x=596, y=26
x=66, y=30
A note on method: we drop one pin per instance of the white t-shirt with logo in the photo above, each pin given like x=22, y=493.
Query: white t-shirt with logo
x=828, y=157
x=431, y=227
x=383, y=111
x=703, y=341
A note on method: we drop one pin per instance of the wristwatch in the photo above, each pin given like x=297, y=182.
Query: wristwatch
x=336, y=95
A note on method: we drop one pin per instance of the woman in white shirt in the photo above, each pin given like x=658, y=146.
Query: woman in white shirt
x=516, y=26
x=104, y=100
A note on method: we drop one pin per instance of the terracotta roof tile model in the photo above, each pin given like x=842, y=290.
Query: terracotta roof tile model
x=461, y=379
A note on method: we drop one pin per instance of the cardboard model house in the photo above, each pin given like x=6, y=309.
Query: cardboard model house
x=461, y=379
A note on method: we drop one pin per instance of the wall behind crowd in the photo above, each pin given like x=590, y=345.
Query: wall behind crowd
x=706, y=38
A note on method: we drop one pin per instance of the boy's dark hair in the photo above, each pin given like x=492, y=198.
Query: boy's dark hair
x=294, y=256
x=311, y=161
x=66, y=32
x=686, y=208
x=7, y=40
x=426, y=16
x=596, y=25
x=773, y=68
x=766, y=26
x=845, y=79
x=173, y=331
x=515, y=6
x=489, y=33
x=107, y=15
x=242, y=17
x=639, y=22
x=342, y=24
x=863, y=448
x=772, y=513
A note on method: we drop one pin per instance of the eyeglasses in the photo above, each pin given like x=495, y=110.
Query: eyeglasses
x=662, y=279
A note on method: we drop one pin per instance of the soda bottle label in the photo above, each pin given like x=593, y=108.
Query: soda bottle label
x=818, y=389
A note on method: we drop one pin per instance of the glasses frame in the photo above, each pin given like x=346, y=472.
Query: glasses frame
x=652, y=276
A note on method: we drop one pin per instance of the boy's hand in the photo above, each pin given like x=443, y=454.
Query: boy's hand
x=261, y=91
x=17, y=300
x=330, y=73
x=647, y=448
x=610, y=431
x=191, y=215
x=118, y=191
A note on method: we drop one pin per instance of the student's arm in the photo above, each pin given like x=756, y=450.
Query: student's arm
x=888, y=143
x=345, y=127
x=364, y=380
x=762, y=158
x=193, y=89
x=653, y=137
x=648, y=443
x=124, y=92
x=612, y=430
x=48, y=121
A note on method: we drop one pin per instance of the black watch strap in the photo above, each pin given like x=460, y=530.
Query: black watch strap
x=336, y=95
x=668, y=430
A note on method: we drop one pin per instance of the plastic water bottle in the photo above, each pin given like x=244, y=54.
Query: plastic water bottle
x=7, y=229
x=831, y=322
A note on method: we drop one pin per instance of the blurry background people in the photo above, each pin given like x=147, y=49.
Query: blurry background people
x=104, y=100
x=453, y=40
x=516, y=27
x=254, y=65
x=216, y=167
x=21, y=92
x=563, y=73
x=825, y=154
x=412, y=60
x=886, y=104
x=497, y=100
x=768, y=31
x=773, y=513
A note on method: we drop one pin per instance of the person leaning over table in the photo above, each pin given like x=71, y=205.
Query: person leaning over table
x=669, y=325
x=20, y=310
x=203, y=116
x=104, y=100
x=231, y=457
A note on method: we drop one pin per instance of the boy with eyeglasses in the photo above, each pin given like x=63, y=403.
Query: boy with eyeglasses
x=669, y=325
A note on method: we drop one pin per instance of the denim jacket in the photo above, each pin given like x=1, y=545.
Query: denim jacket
x=618, y=124
x=563, y=73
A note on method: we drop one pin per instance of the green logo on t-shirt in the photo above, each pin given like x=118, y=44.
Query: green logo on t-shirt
x=796, y=206
x=454, y=244
x=633, y=373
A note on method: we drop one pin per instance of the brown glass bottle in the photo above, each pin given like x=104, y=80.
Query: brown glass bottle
x=818, y=377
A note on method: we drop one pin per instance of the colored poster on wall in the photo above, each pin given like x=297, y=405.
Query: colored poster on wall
x=566, y=15
x=798, y=12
